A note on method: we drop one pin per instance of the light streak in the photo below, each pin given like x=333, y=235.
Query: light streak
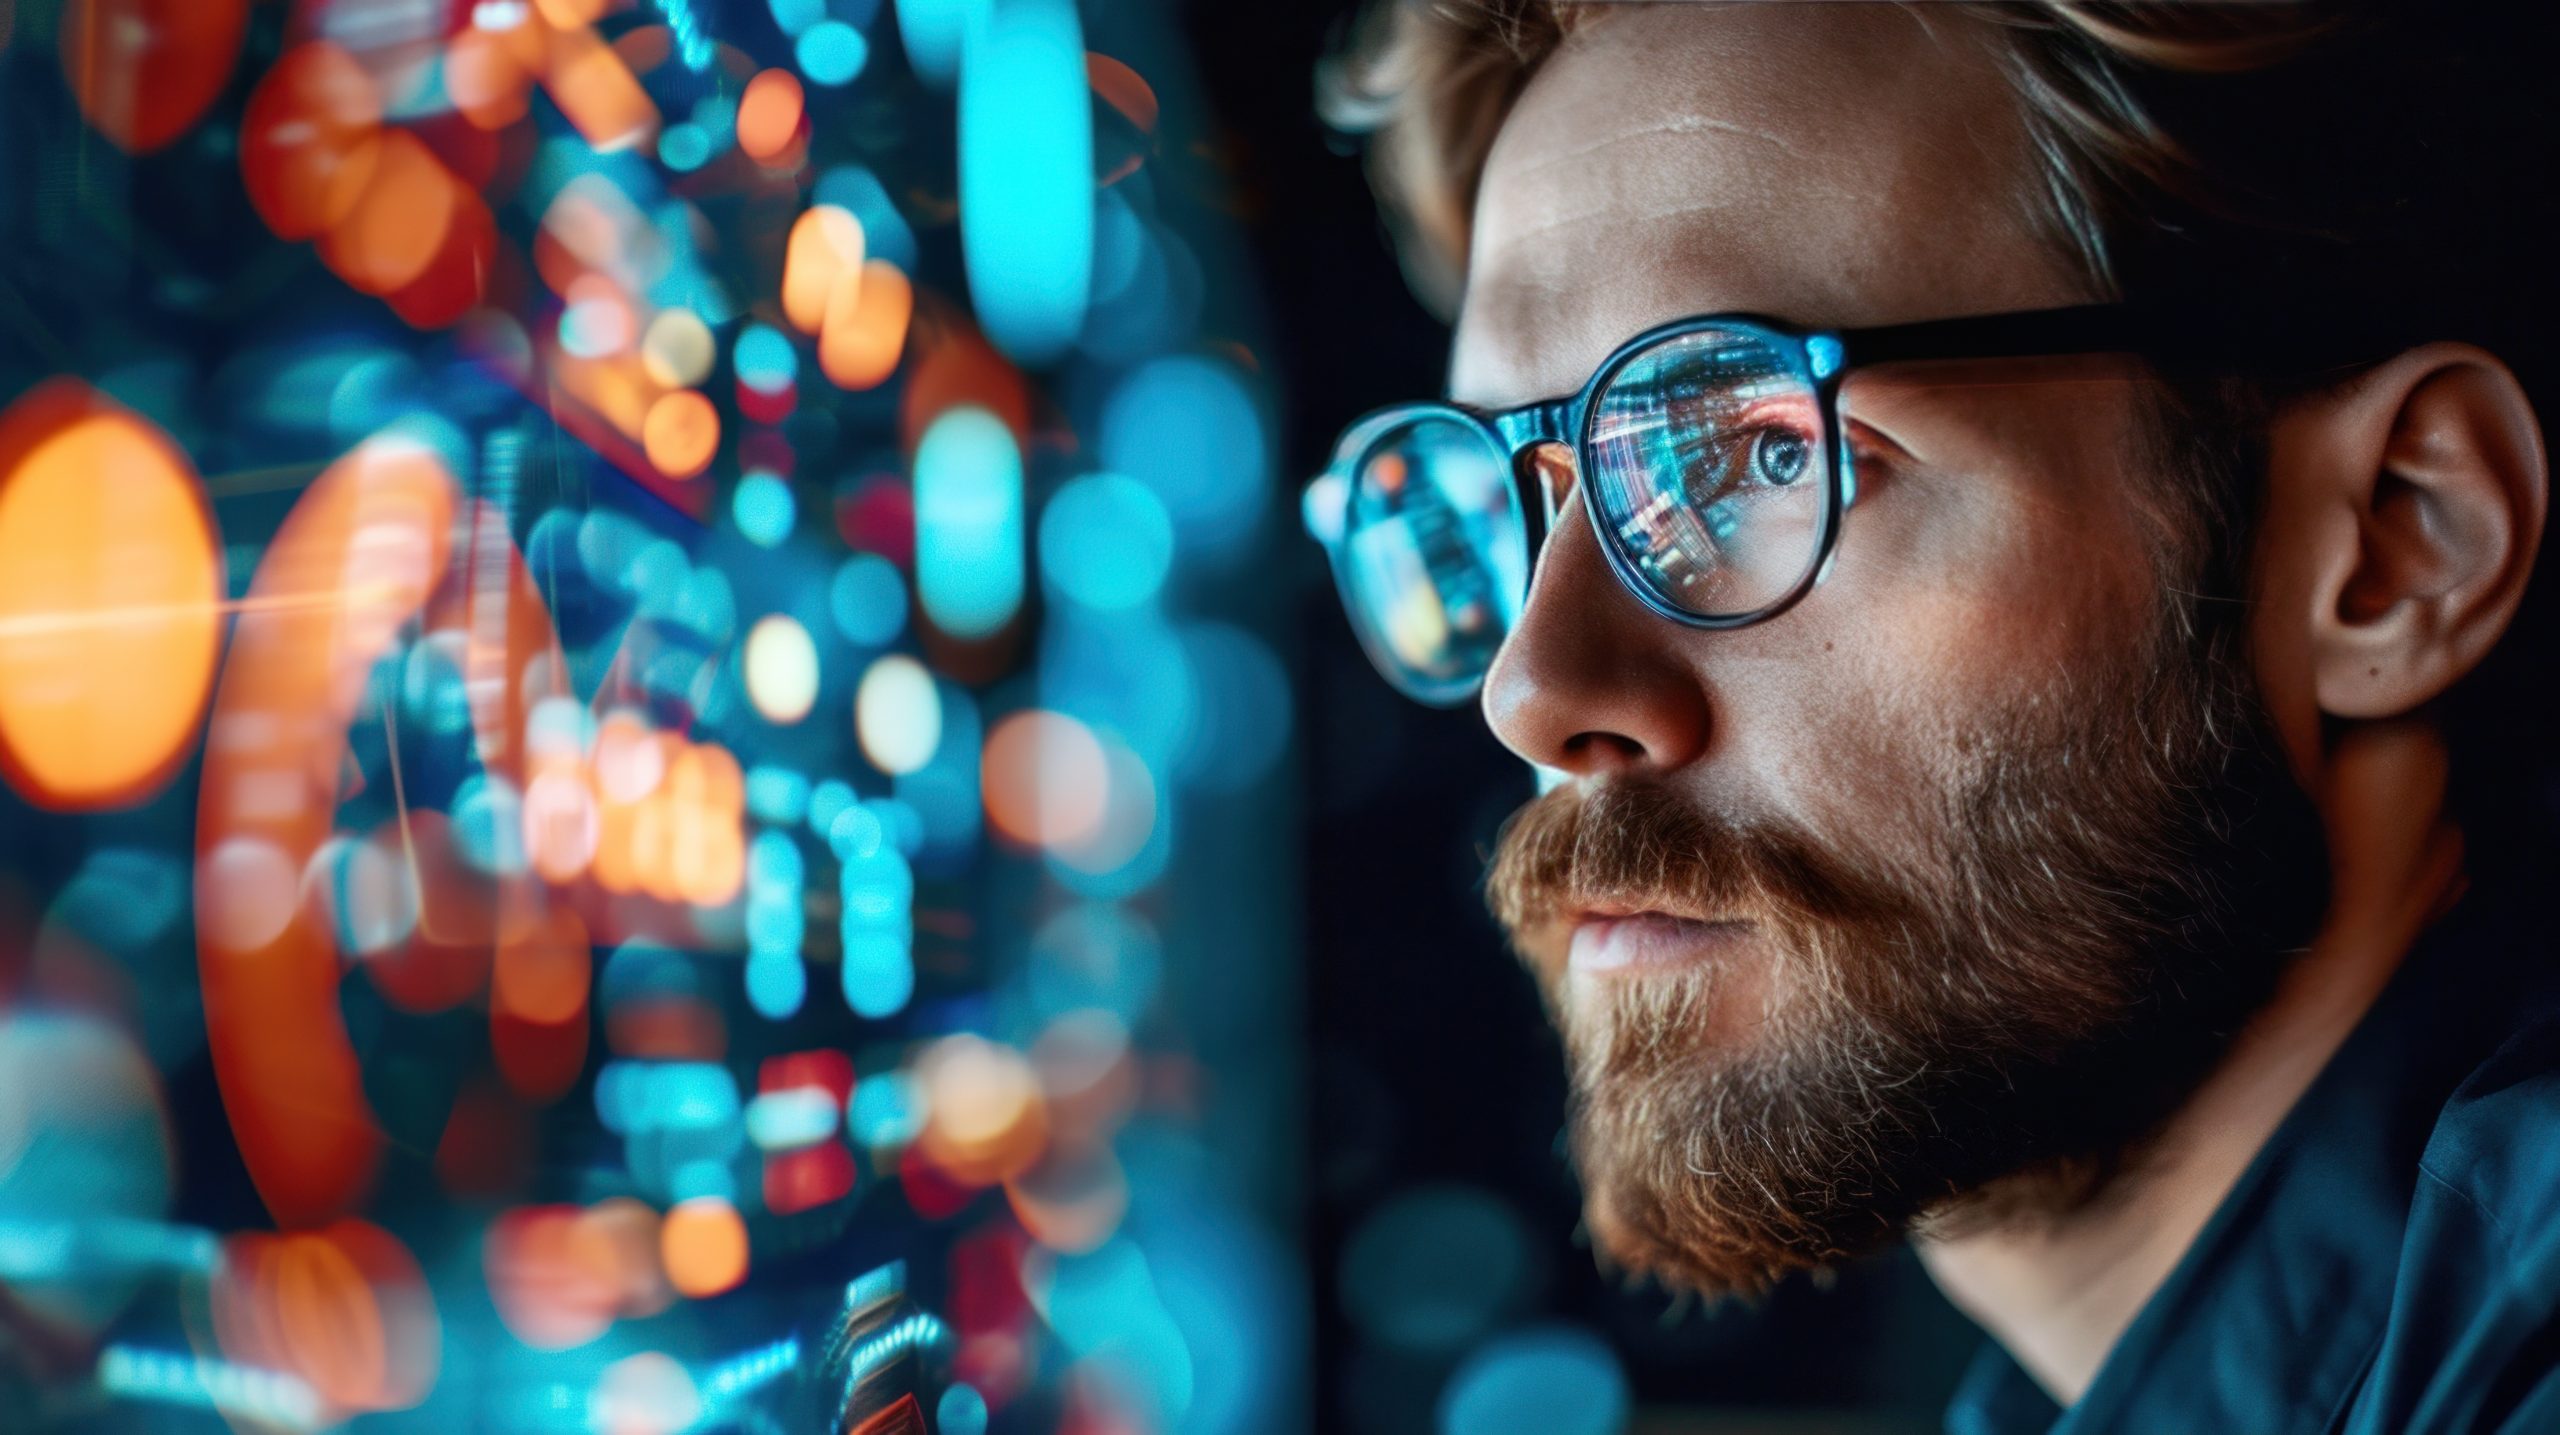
x=169, y=1378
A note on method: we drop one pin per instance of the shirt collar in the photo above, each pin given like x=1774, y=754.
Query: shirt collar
x=2265, y=1322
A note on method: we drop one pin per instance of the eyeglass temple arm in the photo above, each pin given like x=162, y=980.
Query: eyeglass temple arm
x=2198, y=334
x=1521, y=431
x=2080, y=329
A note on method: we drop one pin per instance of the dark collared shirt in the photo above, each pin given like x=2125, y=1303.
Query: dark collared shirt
x=2390, y=1262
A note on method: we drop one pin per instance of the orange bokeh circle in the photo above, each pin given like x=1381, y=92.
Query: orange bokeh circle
x=703, y=1243
x=681, y=433
x=309, y=139
x=769, y=114
x=110, y=600
x=145, y=70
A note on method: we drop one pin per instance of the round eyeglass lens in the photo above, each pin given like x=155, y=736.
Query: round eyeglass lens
x=1710, y=470
x=1434, y=555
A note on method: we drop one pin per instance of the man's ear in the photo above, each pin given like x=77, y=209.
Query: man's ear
x=2412, y=498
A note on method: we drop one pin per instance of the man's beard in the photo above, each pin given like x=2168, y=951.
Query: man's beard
x=2118, y=871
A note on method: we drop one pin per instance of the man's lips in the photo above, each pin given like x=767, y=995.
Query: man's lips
x=1607, y=941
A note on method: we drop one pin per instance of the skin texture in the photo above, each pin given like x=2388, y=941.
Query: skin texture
x=1865, y=165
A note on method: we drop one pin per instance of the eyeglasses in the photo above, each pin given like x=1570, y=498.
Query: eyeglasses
x=1712, y=464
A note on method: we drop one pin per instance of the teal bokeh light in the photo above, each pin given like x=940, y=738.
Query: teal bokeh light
x=763, y=509
x=1026, y=176
x=969, y=537
x=868, y=599
x=936, y=32
x=1186, y=428
x=831, y=53
x=1106, y=541
x=1546, y=1380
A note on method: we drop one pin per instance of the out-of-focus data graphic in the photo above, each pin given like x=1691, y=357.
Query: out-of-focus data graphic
x=636, y=754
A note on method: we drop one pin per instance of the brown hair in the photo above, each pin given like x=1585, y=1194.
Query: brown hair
x=2394, y=156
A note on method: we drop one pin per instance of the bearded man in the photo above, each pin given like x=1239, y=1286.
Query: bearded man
x=1999, y=528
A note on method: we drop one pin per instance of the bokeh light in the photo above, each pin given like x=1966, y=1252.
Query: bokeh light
x=868, y=311
x=868, y=600
x=110, y=586
x=310, y=139
x=681, y=433
x=831, y=52
x=82, y=1139
x=936, y=31
x=1106, y=541
x=898, y=714
x=824, y=250
x=1044, y=779
x=145, y=70
x=969, y=538
x=1546, y=1380
x=704, y=1244
x=770, y=114
x=782, y=668
x=763, y=509
x=585, y=917
x=1186, y=427
x=1436, y=1268
x=1026, y=175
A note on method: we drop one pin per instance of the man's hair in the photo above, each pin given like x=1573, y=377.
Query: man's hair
x=2394, y=158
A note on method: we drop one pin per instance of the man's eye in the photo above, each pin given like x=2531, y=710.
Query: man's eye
x=1723, y=463
x=1779, y=456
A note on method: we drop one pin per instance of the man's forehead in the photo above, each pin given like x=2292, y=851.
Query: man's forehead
x=1826, y=164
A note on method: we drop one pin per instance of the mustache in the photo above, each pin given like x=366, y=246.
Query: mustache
x=1637, y=843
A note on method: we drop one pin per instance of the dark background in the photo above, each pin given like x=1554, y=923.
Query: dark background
x=1430, y=1064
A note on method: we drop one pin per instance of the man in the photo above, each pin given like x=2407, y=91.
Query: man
x=2001, y=774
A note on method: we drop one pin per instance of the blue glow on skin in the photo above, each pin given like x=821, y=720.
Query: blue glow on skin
x=968, y=481
x=1026, y=177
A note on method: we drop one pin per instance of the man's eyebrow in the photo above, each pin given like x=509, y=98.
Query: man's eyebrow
x=1676, y=125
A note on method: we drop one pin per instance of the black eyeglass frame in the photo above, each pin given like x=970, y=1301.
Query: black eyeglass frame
x=2173, y=338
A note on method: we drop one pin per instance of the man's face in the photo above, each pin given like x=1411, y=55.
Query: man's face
x=1961, y=869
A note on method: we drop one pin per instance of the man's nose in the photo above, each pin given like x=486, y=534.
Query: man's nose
x=1589, y=681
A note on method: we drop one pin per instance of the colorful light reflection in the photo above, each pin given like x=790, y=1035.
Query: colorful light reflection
x=620, y=906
